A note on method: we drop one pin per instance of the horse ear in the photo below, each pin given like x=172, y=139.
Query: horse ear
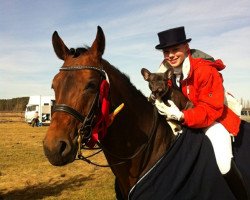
x=98, y=45
x=60, y=48
x=145, y=73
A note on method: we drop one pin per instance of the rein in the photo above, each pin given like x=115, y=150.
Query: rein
x=85, y=130
x=142, y=148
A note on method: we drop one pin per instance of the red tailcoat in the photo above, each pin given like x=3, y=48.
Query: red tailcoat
x=203, y=85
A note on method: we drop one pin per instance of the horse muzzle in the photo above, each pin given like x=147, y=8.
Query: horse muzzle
x=60, y=152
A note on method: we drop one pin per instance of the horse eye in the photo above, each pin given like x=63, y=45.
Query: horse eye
x=91, y=86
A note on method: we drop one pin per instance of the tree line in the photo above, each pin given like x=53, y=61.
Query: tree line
x=19, y=104
x=14, y=105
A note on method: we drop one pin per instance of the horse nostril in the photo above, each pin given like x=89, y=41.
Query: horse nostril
x=65, y=148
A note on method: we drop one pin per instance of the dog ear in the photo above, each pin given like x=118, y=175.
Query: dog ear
x=145, y=73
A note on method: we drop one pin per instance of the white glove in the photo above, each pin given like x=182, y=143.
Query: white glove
x=171, y=112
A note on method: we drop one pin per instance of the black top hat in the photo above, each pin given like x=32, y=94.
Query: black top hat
x=172, y=37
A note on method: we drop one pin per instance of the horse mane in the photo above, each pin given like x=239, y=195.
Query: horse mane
x=124, y=76
x=78, y=51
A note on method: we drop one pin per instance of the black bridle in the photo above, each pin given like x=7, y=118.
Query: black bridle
x=85, y=130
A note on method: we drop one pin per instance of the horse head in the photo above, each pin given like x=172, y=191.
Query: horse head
x=76, y=88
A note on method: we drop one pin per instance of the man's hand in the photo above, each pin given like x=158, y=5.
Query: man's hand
x=171, y=112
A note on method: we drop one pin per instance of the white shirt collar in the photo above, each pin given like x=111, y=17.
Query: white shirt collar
x=186, y=67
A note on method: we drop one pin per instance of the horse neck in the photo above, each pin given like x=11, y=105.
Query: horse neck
x=122, y=91
x=131, y=130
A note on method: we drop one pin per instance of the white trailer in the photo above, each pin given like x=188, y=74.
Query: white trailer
x=41, y=104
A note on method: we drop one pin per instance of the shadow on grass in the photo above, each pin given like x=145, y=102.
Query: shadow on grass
x=43, y=190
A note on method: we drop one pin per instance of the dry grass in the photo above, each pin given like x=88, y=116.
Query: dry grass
x=25, y=173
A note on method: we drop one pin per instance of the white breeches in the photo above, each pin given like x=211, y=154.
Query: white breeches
x=222, y=145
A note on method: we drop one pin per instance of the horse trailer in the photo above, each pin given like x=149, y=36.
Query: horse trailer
x=41, y=105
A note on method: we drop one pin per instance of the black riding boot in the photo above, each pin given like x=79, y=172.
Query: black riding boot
x=236, y=183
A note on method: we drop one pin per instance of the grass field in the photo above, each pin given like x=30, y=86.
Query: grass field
x=25, y=173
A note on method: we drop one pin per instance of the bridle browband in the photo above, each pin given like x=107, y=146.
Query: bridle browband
x=75, y=68
x=84, y=132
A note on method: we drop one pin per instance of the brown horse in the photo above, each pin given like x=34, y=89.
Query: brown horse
x=87, y=88
x=138, y=136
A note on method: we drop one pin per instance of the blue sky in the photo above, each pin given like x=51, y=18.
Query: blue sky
x=27, y=59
